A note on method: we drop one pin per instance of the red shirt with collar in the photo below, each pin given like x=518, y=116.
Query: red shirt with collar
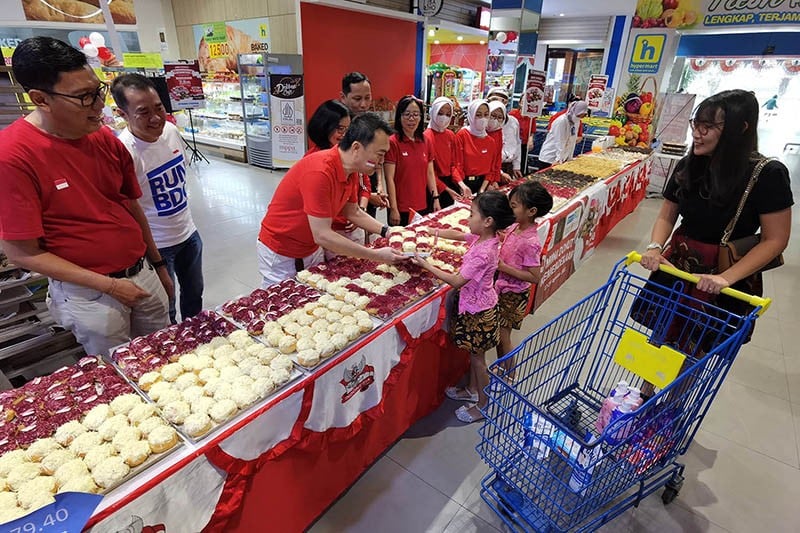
x=411, y=159
x=444, y=150
x=340, y=222
x=315, y=186
x=524, y=125
x=477, y=156
x=71, y=195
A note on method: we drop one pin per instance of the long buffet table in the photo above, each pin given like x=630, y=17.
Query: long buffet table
x=280, y=464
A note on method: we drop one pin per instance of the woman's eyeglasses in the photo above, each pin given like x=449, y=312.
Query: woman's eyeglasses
x=702, y=127
x=410, y=116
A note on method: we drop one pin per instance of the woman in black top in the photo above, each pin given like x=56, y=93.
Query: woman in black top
x=705, y=190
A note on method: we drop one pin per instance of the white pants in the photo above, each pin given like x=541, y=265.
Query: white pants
x=275, y=268
x=101, y=322
x=356, y=235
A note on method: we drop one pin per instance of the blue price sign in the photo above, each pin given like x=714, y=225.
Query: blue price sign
x=68, y=514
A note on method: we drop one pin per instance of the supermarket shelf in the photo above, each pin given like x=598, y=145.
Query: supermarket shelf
x=31, y=279
x=214, y=141
x=14, y=295
x=25, y=310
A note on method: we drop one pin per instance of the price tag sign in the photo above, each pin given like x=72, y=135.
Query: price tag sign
x=218, y=50
x=69, y=514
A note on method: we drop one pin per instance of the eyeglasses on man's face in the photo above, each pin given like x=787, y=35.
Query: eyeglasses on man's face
x=86, y=99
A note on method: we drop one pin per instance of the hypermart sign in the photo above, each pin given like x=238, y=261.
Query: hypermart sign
x=750, y=12
x=648, y=49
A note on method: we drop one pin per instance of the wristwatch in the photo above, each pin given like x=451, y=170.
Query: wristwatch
x=655, y=246
x=384, y=230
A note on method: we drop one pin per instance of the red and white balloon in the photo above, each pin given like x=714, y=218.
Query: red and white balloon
x=95, y=46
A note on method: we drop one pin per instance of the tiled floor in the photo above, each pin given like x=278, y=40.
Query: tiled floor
x=743, y=469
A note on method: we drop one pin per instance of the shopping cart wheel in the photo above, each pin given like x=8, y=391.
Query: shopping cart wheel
x=672, y=488
x=668, y=495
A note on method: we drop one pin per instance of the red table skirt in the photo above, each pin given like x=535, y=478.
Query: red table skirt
x=289, y=492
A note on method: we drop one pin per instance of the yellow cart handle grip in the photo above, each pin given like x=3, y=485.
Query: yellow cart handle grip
x=755, y=301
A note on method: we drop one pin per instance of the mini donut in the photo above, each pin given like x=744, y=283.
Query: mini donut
x=211, y=386
x=224, y=392
x=223, y=350
x=66, y=433
x=188, y=361
x=326, y=349
x=322, y=336
x=169, y=396
x=149, y=424
x=267, y=355
x=204, y=350
x=274, y=337
x=361, y=315
x=162, y=438
x=97, y=454
x=203, y=362
x=202, y=405
x=83, y=483
x=320, y=312
x=255, y=349
x=223, y=410
x=247, y=364
x=271, y=326
x=292, y=328
x=230, y=373
x=97, y=415
x=135, y=453
x=170, y=372
x=282, y=362
x=206, y=374
x=306, y=319
x=11, y=459
x=362, y=302
x=193, y=393
x=39, y=449
x=348, y=320
x=141, y=412
x=223, y=362
x=147, y=380
x=55, y=459
x=237, y=356
x=308, y=357
x=85, y=442
x=287, y=344
x=305, y=332
x=185, y=381
x=218, y=342
x=197, y=424
x=263, y=386
x=109, y=429
x=280, y=376
x=335, y=305
x=351, y=331
x=244, y=396
x=158, y=389
x=177, y=411
x=305, y=344
x=110, y=472
x=339, y=341
x=69, y=470
x=125, y=436
x=334, y=317
x=365, y=325
x=322, y=324
x=8, y=500
x=260, y=371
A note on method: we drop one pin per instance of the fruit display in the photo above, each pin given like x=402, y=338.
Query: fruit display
x=153, y=351
x=666, y=14
x=213, y=382
x=82, y=428
x=635, y=109
x=267, y=305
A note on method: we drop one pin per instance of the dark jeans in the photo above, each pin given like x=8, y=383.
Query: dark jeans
x=185, y=260
x=373, y=183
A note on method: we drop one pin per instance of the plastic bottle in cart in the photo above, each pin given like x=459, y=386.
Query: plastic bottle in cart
x=581, y=476
x=635, y=396
x=537, y=432
x=613, y=401
x=619, y=433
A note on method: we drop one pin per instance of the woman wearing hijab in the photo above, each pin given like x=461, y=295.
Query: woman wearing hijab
x=559, y=145
x=444, y=147
x=478, y=156
x=498, y=119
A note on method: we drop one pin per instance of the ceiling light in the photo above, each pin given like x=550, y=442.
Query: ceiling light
x=482, y=42
x=431, y=32
x=561, y=14
x=460, y=38
x=436, y=42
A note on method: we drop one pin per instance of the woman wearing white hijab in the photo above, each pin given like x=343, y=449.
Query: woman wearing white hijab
x=444, y=144
x=559, y=145
x=478, y=157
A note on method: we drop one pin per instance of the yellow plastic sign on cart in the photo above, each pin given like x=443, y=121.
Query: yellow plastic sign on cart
x=658, y=365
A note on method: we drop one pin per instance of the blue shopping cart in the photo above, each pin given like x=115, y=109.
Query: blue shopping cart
x=551, y=470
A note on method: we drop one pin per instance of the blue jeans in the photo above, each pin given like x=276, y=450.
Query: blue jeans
x=185, y=260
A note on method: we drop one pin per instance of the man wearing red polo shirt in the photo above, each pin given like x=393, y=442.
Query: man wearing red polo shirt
x=297, y=225
x=68, y=206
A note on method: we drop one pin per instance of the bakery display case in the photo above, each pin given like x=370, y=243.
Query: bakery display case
x=219, y=124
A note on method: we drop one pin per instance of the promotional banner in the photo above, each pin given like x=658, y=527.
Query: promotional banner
x=184, y=85
x=673, y=121
x=220, y=43
x=558, y=252
x=647, y=61
x=287, y=108
x=534, y=93
x=596, y=91
x=81, y=12
x=587, y=239
x=699, y=14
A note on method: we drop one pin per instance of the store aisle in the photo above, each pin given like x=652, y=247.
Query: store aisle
x=743, y=470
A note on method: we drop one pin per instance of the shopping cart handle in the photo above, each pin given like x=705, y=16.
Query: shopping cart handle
x=755, y=301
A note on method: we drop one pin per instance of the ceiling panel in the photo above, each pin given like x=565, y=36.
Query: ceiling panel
x=585, y=8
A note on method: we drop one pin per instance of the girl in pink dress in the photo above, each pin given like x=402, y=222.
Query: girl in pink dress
x=475, y=327
x=520, y=254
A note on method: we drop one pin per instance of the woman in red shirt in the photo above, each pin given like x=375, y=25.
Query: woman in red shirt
x=408, y=165
x=498, y=119
x=444, y=148
x=478, y=156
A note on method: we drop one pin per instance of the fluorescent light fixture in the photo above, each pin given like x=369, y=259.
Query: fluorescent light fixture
x=561, y=14
x=436, y=41
x=482, y=42
x=431, y=32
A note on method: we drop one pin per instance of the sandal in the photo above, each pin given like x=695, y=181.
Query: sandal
x=463, y=415
x=461, y=395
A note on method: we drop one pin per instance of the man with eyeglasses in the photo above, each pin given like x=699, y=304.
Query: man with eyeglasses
x=157, y=150
x=357, y=96
x=68, y=206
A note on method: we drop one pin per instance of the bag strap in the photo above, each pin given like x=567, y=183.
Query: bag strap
x=753, y=178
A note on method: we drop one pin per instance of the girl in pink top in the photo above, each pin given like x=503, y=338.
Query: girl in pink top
x=475, y=327
x=520, y=254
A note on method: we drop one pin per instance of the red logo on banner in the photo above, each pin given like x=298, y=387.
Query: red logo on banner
x=357, y=378
x=137, y=526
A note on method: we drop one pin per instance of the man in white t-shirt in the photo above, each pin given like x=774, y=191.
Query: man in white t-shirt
x=157, y=151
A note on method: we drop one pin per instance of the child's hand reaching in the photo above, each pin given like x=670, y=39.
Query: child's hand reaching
x=420, y=262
